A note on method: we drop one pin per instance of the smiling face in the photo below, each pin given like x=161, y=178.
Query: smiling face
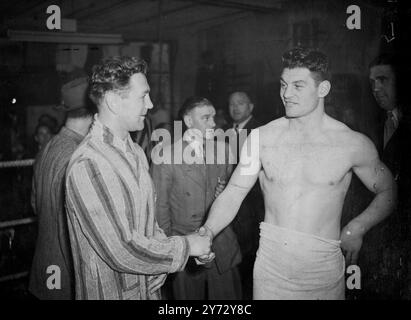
x=135, y=103
x=382, y=79
x=299, y=92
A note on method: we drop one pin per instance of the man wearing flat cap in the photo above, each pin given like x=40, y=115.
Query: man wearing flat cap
x=51, y=275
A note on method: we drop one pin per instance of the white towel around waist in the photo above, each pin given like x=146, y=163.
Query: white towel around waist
x=296, y=265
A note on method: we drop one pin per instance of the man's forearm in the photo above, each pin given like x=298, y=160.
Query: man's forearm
x=223, y=211
x=380, y=208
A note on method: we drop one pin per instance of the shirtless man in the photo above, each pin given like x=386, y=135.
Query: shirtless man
x=304, y=163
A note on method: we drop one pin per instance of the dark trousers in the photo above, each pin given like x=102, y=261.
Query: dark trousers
x=207, y=284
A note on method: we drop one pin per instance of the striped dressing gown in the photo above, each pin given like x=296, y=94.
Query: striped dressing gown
x=117, y=246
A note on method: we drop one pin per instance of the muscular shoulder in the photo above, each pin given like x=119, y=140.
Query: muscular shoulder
x=270, y=131
x=340, y=133
x=358, y=145
x=363, y=149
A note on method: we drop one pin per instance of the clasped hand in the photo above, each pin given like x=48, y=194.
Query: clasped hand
x=200, y=245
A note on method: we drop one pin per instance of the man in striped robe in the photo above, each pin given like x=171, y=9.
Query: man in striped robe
x=119, y=251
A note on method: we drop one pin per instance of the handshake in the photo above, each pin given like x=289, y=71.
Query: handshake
x=200, y=245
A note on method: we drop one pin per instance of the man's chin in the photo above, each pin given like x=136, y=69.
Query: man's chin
x=139, y=127
x=291, y=115
x=384, y=105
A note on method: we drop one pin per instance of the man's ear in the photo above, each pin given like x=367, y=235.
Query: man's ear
x=324, y=88
x=251, y=107
x=188, y=121
x=113, y=101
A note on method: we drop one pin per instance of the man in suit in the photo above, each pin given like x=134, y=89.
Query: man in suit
x=390, y=238
x=251, y=213
x=53, y=244
x=185, y=191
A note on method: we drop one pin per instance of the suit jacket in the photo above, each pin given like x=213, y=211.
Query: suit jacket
x=393, y=152
x=53, y=243
x=396, y=155
x=250, y=125
x=185, y=193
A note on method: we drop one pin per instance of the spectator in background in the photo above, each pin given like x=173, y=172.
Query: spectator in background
x=42, y=135
x=391, y=240
x=48, y=197
x=50, y=121
x=185, y=192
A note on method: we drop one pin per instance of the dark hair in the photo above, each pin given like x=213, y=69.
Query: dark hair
x=113, y=74
x=190, y=103
x=386, y=59
x=314, y=60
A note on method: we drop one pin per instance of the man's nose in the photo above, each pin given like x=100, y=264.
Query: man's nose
x=149, y=104
x=287, y=92
x=377, y=85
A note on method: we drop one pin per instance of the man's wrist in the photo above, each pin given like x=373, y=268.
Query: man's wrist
x=188, y=240
x=355, y=228
x=209, y=231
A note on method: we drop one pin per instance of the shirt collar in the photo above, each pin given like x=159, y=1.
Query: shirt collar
x=241, y=125
x=102, y=132
x=395, y=113
x=194, y=141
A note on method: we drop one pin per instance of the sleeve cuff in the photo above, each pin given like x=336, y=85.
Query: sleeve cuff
x=181, y=253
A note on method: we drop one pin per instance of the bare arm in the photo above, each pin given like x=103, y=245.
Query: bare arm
x=226, y=206
x=377, y=178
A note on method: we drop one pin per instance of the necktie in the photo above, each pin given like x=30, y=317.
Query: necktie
x=390, y=125
x=236, y=128
x=195, y=142
x=237, y=131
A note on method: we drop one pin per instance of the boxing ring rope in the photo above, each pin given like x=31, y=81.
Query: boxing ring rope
x=15, y=223
x=16, y=163
x=4, y=225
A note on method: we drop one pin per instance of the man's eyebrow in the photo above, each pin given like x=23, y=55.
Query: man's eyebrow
x=379, y=78
x=294, y=82
x=299, y=82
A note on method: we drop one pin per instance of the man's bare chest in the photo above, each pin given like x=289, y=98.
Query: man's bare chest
x=308, y=163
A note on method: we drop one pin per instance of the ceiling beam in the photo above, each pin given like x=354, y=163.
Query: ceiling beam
x=237, y=5
x=95, y=11
x=154, y=16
